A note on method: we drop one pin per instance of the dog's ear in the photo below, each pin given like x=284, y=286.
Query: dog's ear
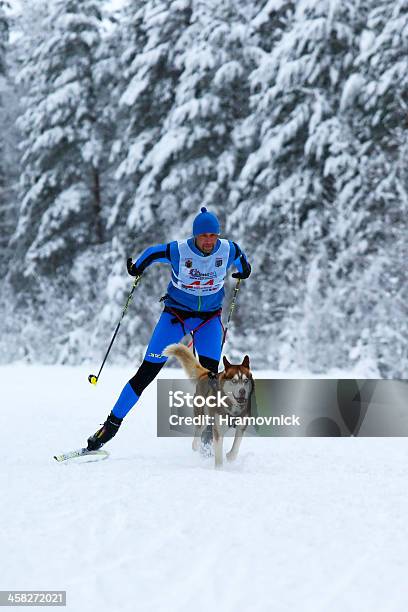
x=245, y=362
x=226, y=363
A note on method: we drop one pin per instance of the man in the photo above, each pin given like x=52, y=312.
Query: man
x=192, y=305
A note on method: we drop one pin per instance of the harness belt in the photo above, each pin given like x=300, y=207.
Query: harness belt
x=181, y=315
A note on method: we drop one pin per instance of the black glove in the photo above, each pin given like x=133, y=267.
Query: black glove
x=132, y=269
x=244, y=274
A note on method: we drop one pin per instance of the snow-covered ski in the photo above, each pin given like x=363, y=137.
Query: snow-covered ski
x=93, y=455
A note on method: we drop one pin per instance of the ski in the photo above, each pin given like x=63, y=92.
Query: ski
x=93, y=455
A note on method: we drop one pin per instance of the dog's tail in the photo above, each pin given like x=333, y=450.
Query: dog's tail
x=191, y=365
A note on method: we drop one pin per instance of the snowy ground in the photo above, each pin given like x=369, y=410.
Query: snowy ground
x=302, y=524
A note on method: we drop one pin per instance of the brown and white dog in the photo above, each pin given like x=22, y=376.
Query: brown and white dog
x=235, y=384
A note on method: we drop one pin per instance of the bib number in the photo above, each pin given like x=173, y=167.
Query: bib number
x=200, y=284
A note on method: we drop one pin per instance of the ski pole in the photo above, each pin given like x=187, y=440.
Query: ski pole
x=231, y=310
x=92, y=378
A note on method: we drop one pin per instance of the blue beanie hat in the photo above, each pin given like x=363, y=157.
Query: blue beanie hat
x=205, y=223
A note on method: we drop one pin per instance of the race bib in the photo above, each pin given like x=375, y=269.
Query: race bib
x=201, y=275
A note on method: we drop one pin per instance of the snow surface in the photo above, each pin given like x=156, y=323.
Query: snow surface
x=308, y=524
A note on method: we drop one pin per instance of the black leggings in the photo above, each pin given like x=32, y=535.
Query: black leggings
x=149, y=370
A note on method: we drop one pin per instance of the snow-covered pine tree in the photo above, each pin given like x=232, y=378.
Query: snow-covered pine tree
x=4, y=201
x=301, y=157
x=4, y=31
x=194, y=159
x=380, y=121
x=151, y=34
x=59, y=259
x=185, y=89
x=61, y=211
x=107, y=76
x=249, y=218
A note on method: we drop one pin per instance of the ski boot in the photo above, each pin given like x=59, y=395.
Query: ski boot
x=105, y=433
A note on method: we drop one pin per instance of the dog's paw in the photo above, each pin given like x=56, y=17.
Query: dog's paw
x=206, y=450
x=231, y=456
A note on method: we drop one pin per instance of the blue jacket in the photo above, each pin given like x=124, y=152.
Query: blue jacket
x=169, y=254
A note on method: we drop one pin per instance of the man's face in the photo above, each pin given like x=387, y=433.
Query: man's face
x=206, y=242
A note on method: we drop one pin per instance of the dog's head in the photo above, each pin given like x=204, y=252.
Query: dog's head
x=237, y=384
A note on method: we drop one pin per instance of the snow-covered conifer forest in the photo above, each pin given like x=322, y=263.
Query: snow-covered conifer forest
x=287, y=119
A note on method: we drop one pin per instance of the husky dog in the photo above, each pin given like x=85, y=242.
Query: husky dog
x=234, y=383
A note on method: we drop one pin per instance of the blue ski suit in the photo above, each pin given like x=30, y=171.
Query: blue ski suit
x=194, y=298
